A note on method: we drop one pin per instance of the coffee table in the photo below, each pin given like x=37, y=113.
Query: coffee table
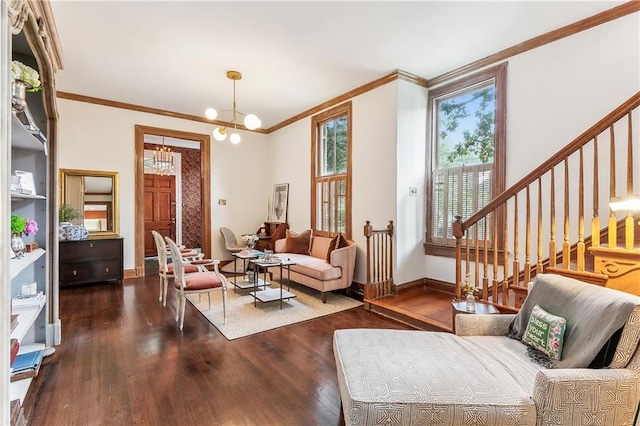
x=271, y=294
x=244, y=284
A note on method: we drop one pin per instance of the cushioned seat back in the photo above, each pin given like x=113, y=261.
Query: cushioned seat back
x=592, y=314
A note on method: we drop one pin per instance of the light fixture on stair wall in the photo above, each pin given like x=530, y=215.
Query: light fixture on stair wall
x=163, y=160
x=251, y=121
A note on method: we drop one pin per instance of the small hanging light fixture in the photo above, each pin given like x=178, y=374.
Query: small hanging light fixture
x=251, y=121
x=163, y=160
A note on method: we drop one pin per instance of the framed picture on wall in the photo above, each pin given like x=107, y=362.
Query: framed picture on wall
x=279, y=203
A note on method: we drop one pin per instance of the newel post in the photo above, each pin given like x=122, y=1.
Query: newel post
x=368, y=232
x=458, y=233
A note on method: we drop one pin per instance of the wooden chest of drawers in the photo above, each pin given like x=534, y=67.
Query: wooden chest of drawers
x=90, y=261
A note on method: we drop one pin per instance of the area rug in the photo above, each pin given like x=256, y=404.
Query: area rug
x=244, y=319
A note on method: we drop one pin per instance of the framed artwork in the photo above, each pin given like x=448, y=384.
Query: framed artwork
x=279, y=203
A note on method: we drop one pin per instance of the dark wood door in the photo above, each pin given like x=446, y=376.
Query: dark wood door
x=159, y=209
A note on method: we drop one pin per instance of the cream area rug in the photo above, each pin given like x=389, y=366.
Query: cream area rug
x=244, y=319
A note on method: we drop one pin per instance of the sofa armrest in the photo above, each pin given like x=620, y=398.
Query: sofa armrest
x=575, y=396
x=345, y=259
x=483, y=325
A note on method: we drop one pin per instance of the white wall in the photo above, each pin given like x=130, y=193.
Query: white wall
x=95, y=137
x=373, y=161
x=411, y=164
x=555, y=93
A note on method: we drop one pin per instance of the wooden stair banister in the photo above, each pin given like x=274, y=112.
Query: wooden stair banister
x=522, y=211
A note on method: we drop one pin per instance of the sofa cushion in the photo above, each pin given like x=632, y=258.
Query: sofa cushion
x=545, y=332
x=582, y=305
x=320, y=247
x=459, y=380
x=297, y=242
x=312, y=266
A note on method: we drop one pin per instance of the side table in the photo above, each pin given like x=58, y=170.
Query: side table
x=460, y=307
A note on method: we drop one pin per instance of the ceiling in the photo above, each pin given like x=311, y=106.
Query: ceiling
x=174, y=55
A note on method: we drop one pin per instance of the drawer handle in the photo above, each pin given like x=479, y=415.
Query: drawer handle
x=75, y=272
x=90, y=244
x=106, y=269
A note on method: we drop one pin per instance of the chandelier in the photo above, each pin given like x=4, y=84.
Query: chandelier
x=163, y=160
x=250, y=121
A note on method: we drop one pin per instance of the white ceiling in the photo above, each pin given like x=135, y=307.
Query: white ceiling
x=174, y=55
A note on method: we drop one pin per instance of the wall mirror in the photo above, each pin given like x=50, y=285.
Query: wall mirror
x=94, y=194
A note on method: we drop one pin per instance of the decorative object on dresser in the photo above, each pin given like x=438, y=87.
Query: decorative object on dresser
x=91, y=261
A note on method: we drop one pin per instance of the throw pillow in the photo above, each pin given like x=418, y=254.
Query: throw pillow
x=297, y=242
x=342, y=241
x=545, y=332
x=332, y=247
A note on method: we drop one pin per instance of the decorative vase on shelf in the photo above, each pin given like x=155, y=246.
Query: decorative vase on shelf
x=62, y=230
x=471, y=303
x=251, y=245
x=17, y=245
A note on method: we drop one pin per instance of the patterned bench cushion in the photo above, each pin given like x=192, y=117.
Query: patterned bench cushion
x=408, y=377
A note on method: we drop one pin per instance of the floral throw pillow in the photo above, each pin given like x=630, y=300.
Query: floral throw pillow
x=545, y=332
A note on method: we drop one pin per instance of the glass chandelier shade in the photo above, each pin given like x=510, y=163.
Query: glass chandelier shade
x=250, y=121
x=163, y=160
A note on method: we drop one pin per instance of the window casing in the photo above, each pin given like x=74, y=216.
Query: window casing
x=467, y=155
x=331, y=171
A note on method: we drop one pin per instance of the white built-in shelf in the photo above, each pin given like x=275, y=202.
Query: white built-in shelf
x=26, y=317
x=19, y=389
x=20, y=196
x=23, y=138
x=17, y=265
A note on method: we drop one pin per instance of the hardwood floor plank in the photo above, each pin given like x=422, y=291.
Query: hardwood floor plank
x=123, y=361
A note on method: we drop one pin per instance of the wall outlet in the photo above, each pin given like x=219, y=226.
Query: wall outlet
x=413, y=191
x=222, y=202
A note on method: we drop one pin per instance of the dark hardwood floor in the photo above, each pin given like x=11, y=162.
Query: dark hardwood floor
x=123, y=361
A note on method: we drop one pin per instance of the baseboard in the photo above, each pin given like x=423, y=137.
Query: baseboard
x=53, y=335
x=439, y=285
x=130, y=273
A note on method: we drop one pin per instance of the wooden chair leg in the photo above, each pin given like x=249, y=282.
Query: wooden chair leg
x=224, y=305
x=165, y=282
x=183, y=306
x=177, y=305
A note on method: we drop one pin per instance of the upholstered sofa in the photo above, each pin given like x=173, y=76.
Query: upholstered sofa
x=321, y=268
x=481, y=376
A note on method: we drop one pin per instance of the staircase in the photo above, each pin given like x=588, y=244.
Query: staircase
x=551, y=219
x=556, y=219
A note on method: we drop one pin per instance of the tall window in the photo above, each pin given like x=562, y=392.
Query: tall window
x=331, y=171
x=467, y=130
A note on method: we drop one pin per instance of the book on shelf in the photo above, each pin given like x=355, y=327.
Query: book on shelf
x=26, y=365
x=15, y=345
x=21, y=301
x=14, y=321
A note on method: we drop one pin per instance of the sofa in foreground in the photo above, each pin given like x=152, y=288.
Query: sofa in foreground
x=322, y=263
x=480, y=376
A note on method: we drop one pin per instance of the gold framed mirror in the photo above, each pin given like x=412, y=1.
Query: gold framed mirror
x=93, y=195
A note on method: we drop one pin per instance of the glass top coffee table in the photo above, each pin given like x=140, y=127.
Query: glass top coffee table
x=271, y=294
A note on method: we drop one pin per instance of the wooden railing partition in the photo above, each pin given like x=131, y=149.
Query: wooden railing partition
x=379, y=261
x=547, y=205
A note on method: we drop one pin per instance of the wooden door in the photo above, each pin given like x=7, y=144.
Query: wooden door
x=159, y=209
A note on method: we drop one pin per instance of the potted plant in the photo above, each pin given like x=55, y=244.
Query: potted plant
x=66, y=214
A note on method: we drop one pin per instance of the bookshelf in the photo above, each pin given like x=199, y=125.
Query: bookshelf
x=28, y=34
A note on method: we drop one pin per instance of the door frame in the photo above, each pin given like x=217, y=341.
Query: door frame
x=205, y=187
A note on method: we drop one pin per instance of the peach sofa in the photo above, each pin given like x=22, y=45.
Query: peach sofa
x=313, y=269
